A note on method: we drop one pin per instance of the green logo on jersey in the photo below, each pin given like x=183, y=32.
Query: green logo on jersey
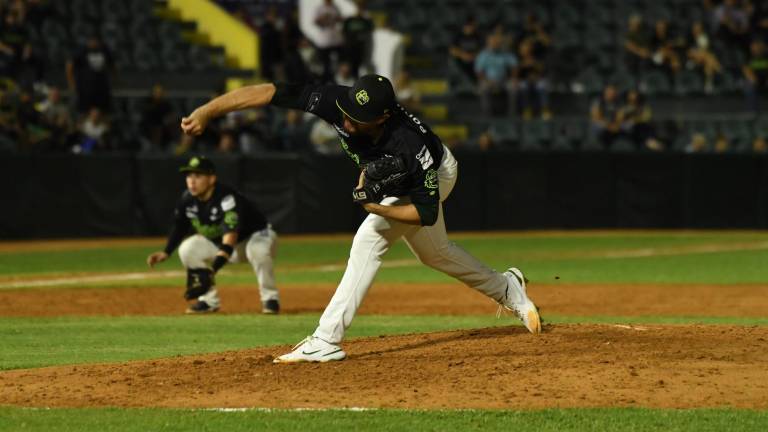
x=230, y=218
x=353, y=156
x=208, y=231
x=430, y=181
x=362, y=97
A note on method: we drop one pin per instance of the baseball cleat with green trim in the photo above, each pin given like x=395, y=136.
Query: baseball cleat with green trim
x=516, y=300
x=313, y=349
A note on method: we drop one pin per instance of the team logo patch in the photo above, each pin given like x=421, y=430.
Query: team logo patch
x=194, y=162
x=228, y=203
x=314, y=101
x=430, y=181
x=362, y=97
x=425, y=158
x=230, y=218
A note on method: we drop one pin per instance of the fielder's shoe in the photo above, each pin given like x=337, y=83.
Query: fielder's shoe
x=271, y=307
x=201, y=307
x=313, y=349
x=516, y=300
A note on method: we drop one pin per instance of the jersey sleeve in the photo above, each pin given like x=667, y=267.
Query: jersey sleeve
x=232, y=219
x=424, y=193
x=179, y=229
x=319, y=100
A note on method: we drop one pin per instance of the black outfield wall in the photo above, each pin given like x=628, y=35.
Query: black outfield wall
x=115, y=195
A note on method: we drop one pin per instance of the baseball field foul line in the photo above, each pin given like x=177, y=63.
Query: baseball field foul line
x=120, y=277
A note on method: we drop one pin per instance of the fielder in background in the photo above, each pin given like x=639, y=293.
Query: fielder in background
x=406, y=173
x=224, y=227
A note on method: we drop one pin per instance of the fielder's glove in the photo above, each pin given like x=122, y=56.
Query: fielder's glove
x=382, y=177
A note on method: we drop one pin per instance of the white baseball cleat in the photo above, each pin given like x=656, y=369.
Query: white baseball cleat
x=516, y=300
x=312, y=349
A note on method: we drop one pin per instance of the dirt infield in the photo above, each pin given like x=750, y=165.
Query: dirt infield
x=407, y=299
x=567, y=366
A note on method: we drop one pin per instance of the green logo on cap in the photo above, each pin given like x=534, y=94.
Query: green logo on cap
x=362, y=97
x=194, y=162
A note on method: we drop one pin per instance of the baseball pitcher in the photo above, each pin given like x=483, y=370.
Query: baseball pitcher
x=224, y=227
x=406, y=173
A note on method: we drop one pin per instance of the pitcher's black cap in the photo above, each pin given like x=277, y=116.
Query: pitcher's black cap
x=199, y=164
x=371, y=97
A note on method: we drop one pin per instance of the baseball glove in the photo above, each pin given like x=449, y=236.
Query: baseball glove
x=382, y=177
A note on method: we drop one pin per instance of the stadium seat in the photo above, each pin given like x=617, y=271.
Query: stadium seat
x=507, y=132
x=688, y=82
x=622, y=145
x=654, y=83
x=535, y=133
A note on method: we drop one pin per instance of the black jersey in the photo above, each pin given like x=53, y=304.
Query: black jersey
x=404, y=135
x=226, y=211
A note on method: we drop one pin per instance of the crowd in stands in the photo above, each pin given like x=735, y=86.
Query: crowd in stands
x=512, y=69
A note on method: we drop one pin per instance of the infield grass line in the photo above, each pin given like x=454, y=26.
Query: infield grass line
x=547, y=420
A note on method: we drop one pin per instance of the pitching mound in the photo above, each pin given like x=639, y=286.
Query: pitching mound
x=568, y=366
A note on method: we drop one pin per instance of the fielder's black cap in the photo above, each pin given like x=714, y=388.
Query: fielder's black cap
x=371, y=97
x=199, y=164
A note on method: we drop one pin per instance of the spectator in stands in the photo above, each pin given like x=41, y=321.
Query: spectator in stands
x=292, y=132
x=13, y=37
x=57, y=117
x=358, y=40
x=531, y=82
x=270, y=54
x=721, y=144
x=329, y=37
x=759, y=145
x=495, y=69
x=9, y=125
x=606, y=116
x=731, y=24
x=159, y=122
x=30, y=67
x=32, y=131
x=226, y=143
x=251, y=130
x=465, y=48
x=533, y=32
x=88, y=76
x=407, y=94
x=755, y=73
x=94, y=130
x=324, y=138
x=664, y=48
x=636, y=122
x=759, y=20
x=700, y=54
x=344, y=74
x=698, y=144
x=637, y=44
x=303, y=64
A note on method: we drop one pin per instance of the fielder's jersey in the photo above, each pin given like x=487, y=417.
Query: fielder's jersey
x=404, y=135
x=226, y=211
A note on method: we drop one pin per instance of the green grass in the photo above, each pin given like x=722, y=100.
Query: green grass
x=39, y=342
x=554, y=420
x=572, y=258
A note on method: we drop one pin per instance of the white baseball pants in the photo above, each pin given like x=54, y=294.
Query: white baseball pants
x=259, y=250
x=429, y=244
